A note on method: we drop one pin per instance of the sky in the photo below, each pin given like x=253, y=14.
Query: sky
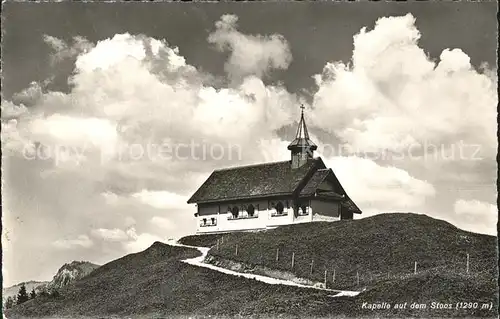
x=113, y=114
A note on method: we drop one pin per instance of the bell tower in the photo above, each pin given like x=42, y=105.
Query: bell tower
x=301, y=148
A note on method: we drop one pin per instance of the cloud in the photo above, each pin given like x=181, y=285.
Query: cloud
x=129, y=93
x=110, y=234
x=12, y=111
x=162, y=222
x=274, y=149
x=380, y=189
x=476, y=216
x=421, y=125
x=124, y=47
x=25, y=98
x=74, y=131
x=118, y=100
x=249, y=54
x=161, y=199
x=81, y=241
x=56, y=44
x=140, y=241
x=129, y=240
x=393, y=95
x=61, y=50
x=129, y=221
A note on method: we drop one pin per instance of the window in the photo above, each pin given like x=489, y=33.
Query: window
x=251, y=210
x=242, y=212
x=279, y=208
x=235, y=211
x=301, y=208
x=208, y=222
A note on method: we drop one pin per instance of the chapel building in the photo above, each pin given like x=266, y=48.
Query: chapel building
x=263, y=196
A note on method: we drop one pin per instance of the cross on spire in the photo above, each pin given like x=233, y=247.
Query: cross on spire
x=302, y=132
x=302, y=143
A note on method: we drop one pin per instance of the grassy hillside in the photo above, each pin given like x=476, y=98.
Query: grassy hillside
x=444, y=289
x=375, y=249
x=155, y=283
x=381, y=252
x=208, y=240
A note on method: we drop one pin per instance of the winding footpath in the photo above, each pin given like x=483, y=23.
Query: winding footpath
x=199, y=262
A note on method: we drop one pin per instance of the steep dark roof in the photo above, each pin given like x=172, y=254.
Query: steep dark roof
x=331, y=195
x=314, y=182
x=272, y=179
x=339, y=194
x=254, y=181
x=349, y=204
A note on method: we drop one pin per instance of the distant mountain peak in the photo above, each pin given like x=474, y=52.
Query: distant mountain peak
x=70, y=272
x=77, y=264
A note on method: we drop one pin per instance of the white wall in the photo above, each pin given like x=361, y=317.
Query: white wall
x=210, y=209
x=225, y=222
x=263, y=216
x=304, y=218
x=325, y=208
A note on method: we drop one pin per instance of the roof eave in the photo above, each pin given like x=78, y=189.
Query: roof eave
x=231, y=199
x=332, y=198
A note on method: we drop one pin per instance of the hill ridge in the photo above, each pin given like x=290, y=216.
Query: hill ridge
x=160, y=285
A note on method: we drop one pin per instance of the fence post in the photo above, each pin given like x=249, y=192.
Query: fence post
x=217, y=244
x=326, y=271
x=236, y=250
x=467, y=267
x=333, y=276
x=222, y=239
x=312, y=265
x=293, y=259
x=415, y=270
x=277, y=254
x=357, y=277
